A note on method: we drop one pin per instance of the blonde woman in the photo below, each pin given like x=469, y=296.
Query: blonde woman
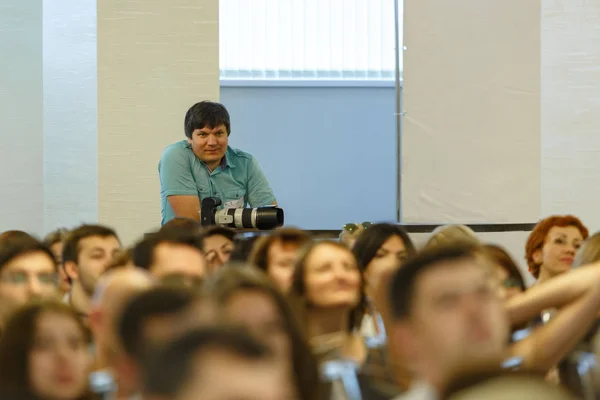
x=447, y=234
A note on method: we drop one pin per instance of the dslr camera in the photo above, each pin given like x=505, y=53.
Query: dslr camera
x=262, y=218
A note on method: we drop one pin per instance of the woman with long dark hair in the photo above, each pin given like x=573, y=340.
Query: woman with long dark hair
x=379, y=248
x=44, y=354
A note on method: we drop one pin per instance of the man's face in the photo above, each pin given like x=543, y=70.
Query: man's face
x=95, y=255
x=457, y=316
x=210, y=144
x=179, y=263
x=24, y=278
x=218, y=374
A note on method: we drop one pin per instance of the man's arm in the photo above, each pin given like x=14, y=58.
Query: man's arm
x=259, y=191
x=178, y=184
x=185, y=206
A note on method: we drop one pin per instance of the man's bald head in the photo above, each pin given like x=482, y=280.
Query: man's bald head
x=118, y=283
x=113, y=290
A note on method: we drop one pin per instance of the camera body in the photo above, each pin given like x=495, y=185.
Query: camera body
x=262, y=218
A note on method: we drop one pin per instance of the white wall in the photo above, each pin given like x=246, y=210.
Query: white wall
x=21, y=138
x=571, y=109
x=70, y=121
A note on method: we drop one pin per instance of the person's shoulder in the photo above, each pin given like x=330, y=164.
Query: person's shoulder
x=239, y=158
x=239, y=154
x=177, y=149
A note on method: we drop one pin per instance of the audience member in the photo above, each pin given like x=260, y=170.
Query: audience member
x=551, y=246
x=451, y=234
x=215, y=364
x=447, y=312
x=185, y=224
x=589, y=252
x=302, y=317
x=87, y=253
x=218, y=246
x=249, y=299
x=504, y=386
x=113, y=291
x=122, y=259
x=507, y=271
x=55, y=240
x=379, y=248
x=172, y=256
x=579, y=371
x=351, y=232
x=329, y=283
x=242, y=247
x=27, y=272
x=150, y=320
x=44, y=353
x=14, y=234
x=276, y=254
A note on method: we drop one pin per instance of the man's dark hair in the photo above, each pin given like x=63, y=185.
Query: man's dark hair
x=402, y=289
x=143, y=251
x=16, y=246
x=71, y=246
x=179, y=356
x=206, y=114
x=183, y=224
x=156, y=302
x=12, y=234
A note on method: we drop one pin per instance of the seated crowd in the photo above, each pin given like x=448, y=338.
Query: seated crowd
x=190, y=312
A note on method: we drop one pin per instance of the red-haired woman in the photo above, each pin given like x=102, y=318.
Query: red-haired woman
x=552, y=245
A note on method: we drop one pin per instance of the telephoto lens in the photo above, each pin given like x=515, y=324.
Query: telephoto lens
x=262, y=218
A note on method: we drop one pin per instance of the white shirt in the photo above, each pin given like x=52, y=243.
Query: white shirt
x=420, y=390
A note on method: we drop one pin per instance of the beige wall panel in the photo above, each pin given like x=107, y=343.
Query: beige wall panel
x=471, y=136
x=571, y=109
x=155, y=59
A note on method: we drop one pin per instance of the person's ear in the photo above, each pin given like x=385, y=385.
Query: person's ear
x=71, y=270
x=537, y=257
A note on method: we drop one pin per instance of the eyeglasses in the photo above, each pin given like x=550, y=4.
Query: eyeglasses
x=351, y=227
x=18, y=278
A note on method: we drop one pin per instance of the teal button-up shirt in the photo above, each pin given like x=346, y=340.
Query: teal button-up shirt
x=239, y=181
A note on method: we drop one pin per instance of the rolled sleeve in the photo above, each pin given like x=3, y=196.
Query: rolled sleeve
x=175, y=174
x=259, y=191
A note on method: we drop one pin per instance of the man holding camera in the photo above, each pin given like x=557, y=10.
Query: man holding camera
x=205, y=166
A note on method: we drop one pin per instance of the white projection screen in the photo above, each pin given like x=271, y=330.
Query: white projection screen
x=471, y=93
